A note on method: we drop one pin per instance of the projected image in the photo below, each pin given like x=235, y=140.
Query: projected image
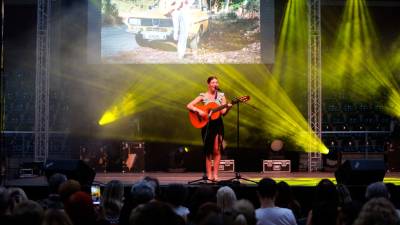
x=180, y=31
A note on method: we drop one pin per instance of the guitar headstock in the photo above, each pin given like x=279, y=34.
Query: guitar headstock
x=240, y=99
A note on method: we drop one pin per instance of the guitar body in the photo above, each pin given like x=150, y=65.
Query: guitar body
x=199, y=121
x=213, y=108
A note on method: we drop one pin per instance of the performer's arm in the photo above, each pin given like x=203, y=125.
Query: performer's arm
x=229, y=106
x=191, y=106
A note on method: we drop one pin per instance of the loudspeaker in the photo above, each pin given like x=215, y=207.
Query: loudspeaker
x=73, y=169
x=360, y=172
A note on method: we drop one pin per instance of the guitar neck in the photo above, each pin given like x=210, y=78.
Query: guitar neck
x=221, y=107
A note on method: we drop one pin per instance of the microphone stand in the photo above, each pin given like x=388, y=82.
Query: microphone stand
x=237, y=177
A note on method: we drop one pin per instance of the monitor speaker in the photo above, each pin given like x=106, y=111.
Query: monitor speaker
x=360, y=172
x=73, y=169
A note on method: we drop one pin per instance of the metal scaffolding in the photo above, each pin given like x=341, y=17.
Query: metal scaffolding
x=42, y=80
x=314, y=80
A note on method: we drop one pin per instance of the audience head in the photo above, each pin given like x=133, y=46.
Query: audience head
x=207, y=213
x=142, y=192
x=28, y=213
x=325, y=206
x=378, y=211
x=55, y=181
x=79, y=208
x=4, y=201
x=155, y=184
x=284, y=194
x=16, y=196
x=213, y=219
x=154, y=213
x=226, y=198
x=56, y=217
x=176, y=194
x=68, y=188
x=114, y=190
x=394, y=194
x=244, y=213
x=377, y=190
x=326, y=192
x=267, y=188
x=201, y=195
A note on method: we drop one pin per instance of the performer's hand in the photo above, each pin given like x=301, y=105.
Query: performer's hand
x=201, y=113
x=229, y=105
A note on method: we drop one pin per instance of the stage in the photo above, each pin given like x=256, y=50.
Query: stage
x=300, y=179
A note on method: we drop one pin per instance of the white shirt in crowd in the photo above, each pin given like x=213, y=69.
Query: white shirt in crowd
x=275, y=216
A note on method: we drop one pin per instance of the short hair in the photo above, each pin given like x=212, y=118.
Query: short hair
x=210, y=78
x=55, y=181
x=155, y=184
x=142, y=192
x=68, y=188
x=267, y=188
x=377, y=190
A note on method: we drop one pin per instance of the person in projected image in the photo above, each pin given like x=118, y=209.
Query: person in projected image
x=213, y=132
x=180, y=13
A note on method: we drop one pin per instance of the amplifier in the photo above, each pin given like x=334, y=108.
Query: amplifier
x=276, y=166
x=226, y=165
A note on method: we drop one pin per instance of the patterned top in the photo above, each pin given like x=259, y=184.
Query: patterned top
x=218, y=100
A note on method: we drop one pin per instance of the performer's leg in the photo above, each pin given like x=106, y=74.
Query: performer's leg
x=208, y=167
x=217, y=155
x=183, y=34
x=175, y=23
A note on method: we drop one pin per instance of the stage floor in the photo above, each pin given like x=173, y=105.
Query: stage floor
x=293, y=178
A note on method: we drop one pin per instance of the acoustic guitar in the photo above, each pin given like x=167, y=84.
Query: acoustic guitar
x=212, y=110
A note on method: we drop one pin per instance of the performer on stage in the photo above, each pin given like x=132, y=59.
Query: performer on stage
x=213, y=132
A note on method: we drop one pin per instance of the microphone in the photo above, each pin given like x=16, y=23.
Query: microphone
x=218, y=89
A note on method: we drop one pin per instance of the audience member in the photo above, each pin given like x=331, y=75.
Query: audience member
x=56, y=217
x=268, y=213
x=27, y=213
x=53, y=200
x=176, y=195
x=377, y=190
x=285, y=199
x=394, y=194
x=325, y=206
x=347, y=208
x=80, y=210
x=226, y=198
x=244, y=213
x=112, y=201
x=5, y=216
x=141, y=192
x=154, y=213
x=201, y=195
x=208, y=213
x=16, y=196
x=344, y=196
x=67, y=189
x=155, y=184
x=378, y=211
